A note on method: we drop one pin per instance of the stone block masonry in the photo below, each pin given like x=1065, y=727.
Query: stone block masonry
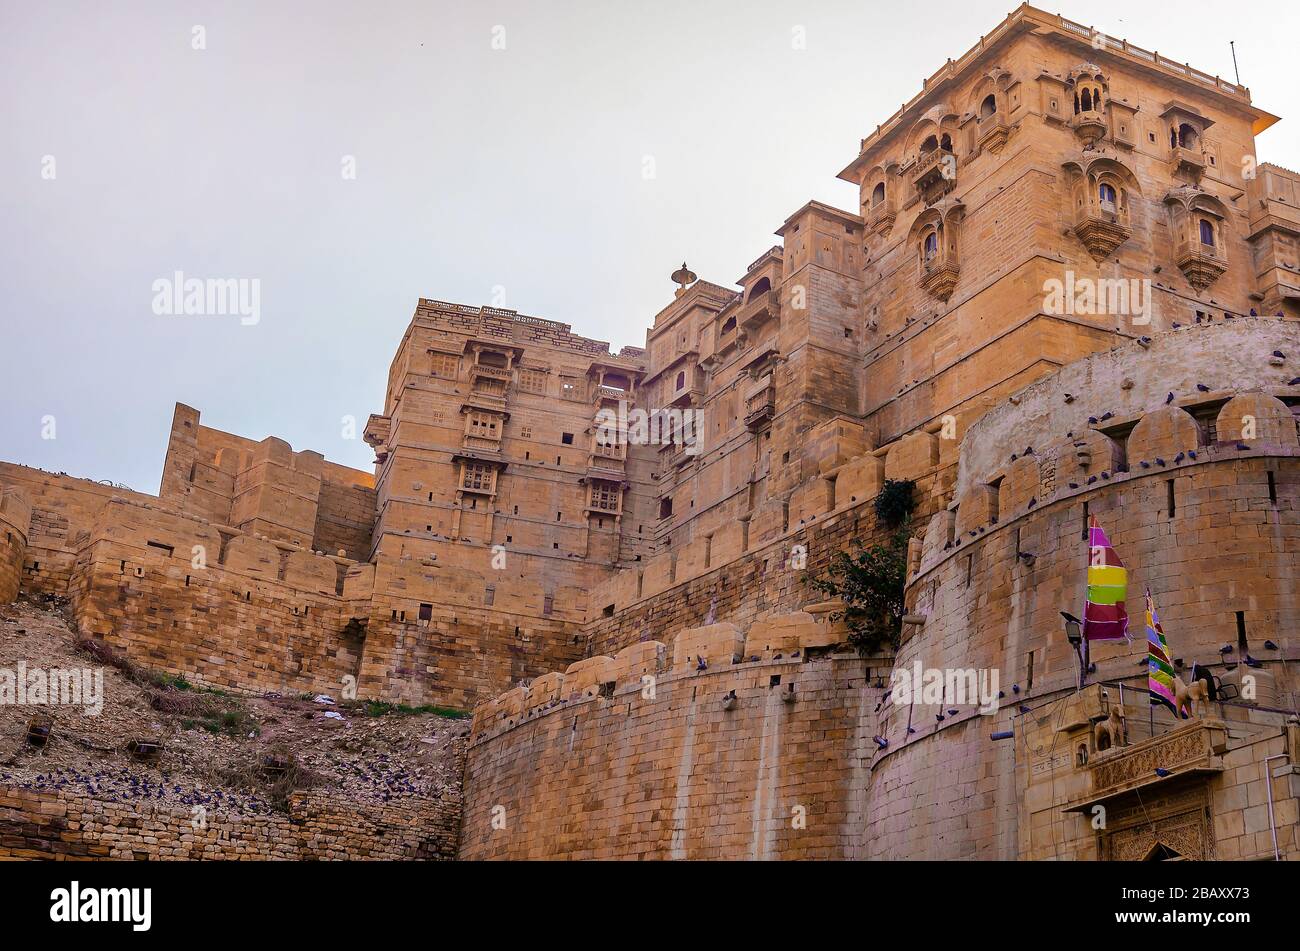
x=61, y=826
x=15, y=521
x=682, y=775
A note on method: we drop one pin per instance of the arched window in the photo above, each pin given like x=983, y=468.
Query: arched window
x=1086, y=101
x=761, y=286
x=1106, y=192
x=1207, y=232
x=729, y=326
x=946, y=142
x=1096, y=99
x=1187, y=136
x=929, y=145
x=681, y=379
x=930, y=247
x=988, y=106
x=878, y=194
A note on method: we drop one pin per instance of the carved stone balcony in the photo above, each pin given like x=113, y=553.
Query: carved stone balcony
x=1193, y=749
x=881, y=217
x=760, y=403
x=690, y=392
x=939, y=276
x=758, y=310
x=483, y=401
x=1202, y=264
x=1188, y=161
x=378, y=431
x=727, y=339
x=480, y=370
x=674, y=455
x=992, y=131
x=601, y=395
x=1089, y=126
x=480, y=444
x=1102, y=227
x=935, y=174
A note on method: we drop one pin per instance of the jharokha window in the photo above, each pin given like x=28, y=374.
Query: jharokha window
x=532, y=381
x=930, y=247
x=479, y=477
x=605, y=496
x=445, y=365
x=484, y=426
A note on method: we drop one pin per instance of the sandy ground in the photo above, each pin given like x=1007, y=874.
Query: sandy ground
x=215, y=747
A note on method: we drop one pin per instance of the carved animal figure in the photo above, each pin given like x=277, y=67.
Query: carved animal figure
x=1110, y=731
x=1191, y=698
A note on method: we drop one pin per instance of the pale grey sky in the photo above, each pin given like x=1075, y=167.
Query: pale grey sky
x=476, y=168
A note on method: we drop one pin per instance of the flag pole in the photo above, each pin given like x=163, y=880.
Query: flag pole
x=1151, y=701
x=1086, y=652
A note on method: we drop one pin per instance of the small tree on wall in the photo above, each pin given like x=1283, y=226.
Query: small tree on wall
x=870, y=579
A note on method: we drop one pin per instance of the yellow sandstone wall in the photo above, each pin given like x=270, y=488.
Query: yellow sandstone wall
x=62, y=826
x=15, y=518
x=600, y=762
x=63, y=509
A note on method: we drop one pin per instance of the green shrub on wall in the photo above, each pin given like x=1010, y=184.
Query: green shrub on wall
x=870, y=580
x=895, y=503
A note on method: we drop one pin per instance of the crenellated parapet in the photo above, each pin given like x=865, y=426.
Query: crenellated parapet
x=643, y=665
x=1195, y=369
x=733, y=745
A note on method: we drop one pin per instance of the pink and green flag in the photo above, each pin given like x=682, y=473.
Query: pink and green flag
x=1160, y=673
x=1104, y=615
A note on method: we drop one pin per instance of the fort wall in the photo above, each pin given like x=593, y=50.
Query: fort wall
x=63, y=826
x=245, y=613
x=63, y=509
x=266, y=488
x=15, y=521
x=643, y=755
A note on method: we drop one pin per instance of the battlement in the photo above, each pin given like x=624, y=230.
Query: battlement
x=1196, y=364
x=1160, y=406
x=715, y=648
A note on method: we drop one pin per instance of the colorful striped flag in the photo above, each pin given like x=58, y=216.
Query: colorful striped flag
x=1104, y=615
x=1160, y=673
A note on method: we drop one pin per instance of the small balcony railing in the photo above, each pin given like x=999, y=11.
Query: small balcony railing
x=1192, y=160
x=935, y=171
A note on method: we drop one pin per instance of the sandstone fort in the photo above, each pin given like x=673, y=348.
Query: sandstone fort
x=1069, y=292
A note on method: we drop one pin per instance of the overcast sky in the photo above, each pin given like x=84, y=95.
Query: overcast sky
x=126, y=155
